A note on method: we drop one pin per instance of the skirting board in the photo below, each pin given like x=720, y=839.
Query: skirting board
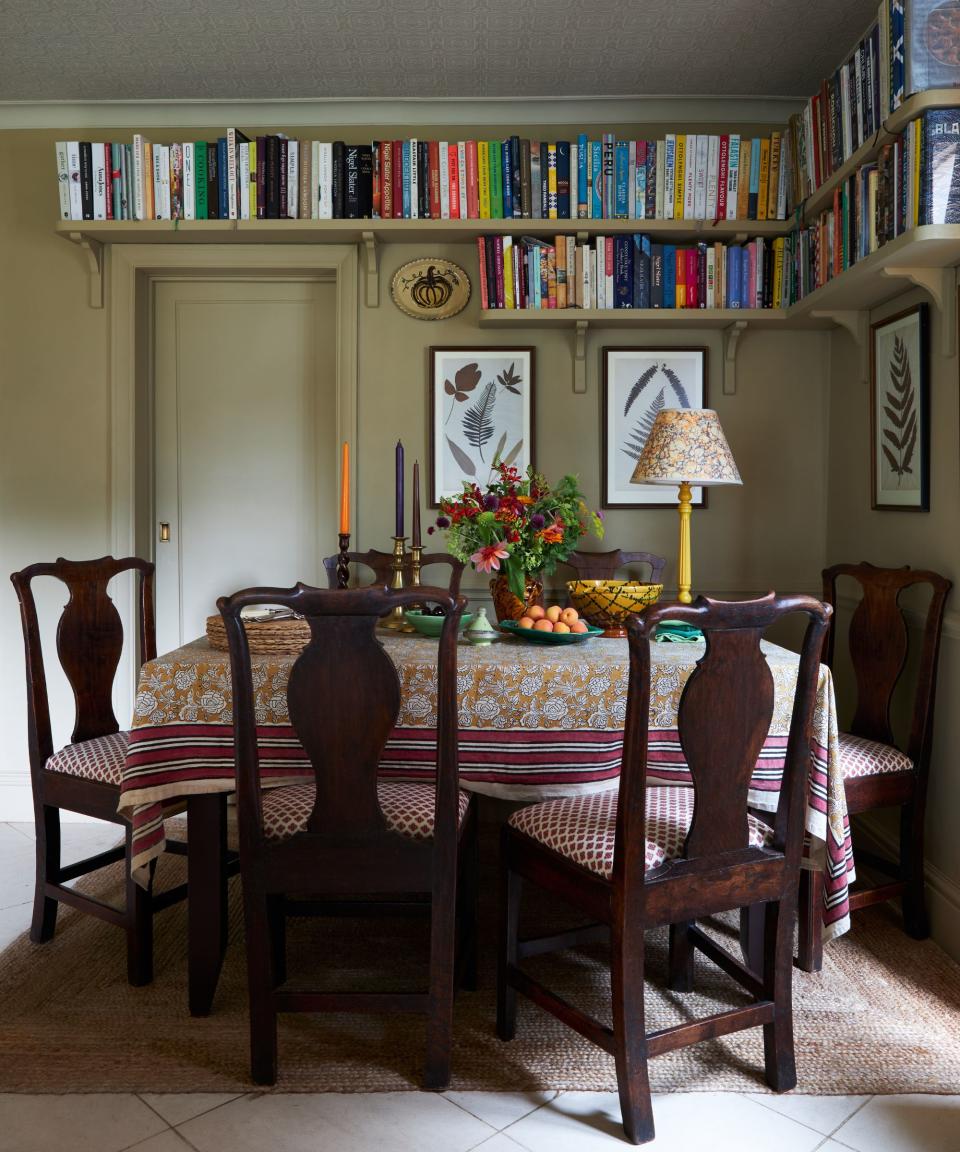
x=943, y=893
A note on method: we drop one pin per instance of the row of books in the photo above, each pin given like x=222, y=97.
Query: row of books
x=910, y=47
x=680, y=177
x=915, y=180
x=614, y=272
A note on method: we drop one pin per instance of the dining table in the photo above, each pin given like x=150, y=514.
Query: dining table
x=535, y=721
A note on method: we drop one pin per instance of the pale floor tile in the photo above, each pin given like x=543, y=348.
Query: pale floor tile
x=178, y=1107
x=80, y=1123
x=904, y=1124
x=499, y=1143
x=14, y=922
x=24, y=827
x=329, y=1122
x=823, y=1114
x=498, y=1109
x=167, y=1141
x=723, y=1122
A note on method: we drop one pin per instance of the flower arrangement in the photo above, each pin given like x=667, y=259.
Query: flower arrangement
x=519, y=525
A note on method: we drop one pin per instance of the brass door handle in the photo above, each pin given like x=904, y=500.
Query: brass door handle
x=164, y=532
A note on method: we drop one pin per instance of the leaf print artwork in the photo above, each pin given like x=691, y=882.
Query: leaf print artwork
x=900, y=441
x=467, y=466
x=641, y=431
x=510, y=380
x=478, y=420
x=466, y=379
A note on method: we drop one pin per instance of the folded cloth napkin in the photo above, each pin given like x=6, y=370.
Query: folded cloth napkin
x=676, y=632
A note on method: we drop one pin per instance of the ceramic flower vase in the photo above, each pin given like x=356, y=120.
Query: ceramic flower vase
x=510, y=607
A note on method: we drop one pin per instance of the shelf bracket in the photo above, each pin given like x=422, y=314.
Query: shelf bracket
x=857, y=324
x=373, y=269
x=94, y=252
x=941, y=284
x=580, y=356
x=731, y=341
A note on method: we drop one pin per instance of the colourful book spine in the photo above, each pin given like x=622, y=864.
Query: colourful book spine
x=763, y=190
x=640, y=181
x=433, y=153
x=773, y=178
x=679, y=177
x=495, y=161
x=609, y=194
x=405, y=179
x=680, y=278
x=563, y=180
x=506, y=164
x=482, y=257
x=453, y=176
x=744, y=167
x=386, y=180
x=583, y=204
x=754, y=193
x=254, y=204
x=509, y=293
x=621, y=175
x=483, y=179
x=733, y=177
x=472, y=153
x=669, y=276
x=596, y=166
x=552, y=182
x=723, y=176
x=498, y=269
x=669, y=175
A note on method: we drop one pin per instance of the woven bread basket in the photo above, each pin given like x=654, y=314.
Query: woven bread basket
x=265, y=637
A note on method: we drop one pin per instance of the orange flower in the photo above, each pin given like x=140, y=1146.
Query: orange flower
x=551, y=535
x=524, y=499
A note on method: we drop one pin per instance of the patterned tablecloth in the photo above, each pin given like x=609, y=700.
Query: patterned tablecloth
x=535, y=721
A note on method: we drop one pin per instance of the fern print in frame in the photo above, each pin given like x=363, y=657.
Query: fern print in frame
x=637, y=384
x=900, y=412
x=481, y=414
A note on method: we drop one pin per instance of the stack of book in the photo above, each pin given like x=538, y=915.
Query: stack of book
x=914, y=181
x=633, y=272
x=680, y=177
x=912, y=46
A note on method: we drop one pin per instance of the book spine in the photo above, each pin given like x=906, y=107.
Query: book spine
x=506, y=164
x=623, y=272
x=423, y=179
x=386, y=179
x=713, y=179
x=437, y=164
x=365, y=182
x=351, y=173
x=244, y=150
x=596, y=165
x=482, y=262
x=283, y=177
x=398, y=178
x=414, y=182
x=304, y=179
x=773, y=187
x=63, y=179
x=175, y=160
x=763, y=189
x=338, y=179
x=641, y=271
x=609, y=159
x=164, y=176
x=632, y=179
x=86, y=180
x=325, y=180
x=640, y=181
x=443, y=159
x=75, y=181
x=405, y=171
x=126, y=169
x=458, y=170
x=471, y=167
x=232, y=159
x=563, y=180
x=680, y=278
x=723, y=177
x=582, y=184
x=690, y=178
x=498, y=271
x=681, y=163
x=189, y=181
x=99, y=170
x=621, y=176
x=656, y=275
x=669, y=176
x=483, y=179
x=552, y=212
x=376, y=201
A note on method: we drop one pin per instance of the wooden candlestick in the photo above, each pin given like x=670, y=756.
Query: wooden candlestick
x=343, y=564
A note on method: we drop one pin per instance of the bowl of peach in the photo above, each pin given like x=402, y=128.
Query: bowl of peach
x=607, y=603
x=553, y=625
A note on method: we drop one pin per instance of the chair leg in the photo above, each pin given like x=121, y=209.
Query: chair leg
x=443, y=938
x=276, y=914
x=810, y=945
x=780, y=1068
x=139, y=926
x=44, y=920
x=915, y=920
x=260, y=983
x=680, y=976
x=510, y=888
x=629, y=1035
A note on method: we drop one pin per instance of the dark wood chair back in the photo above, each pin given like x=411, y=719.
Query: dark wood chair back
x=344, y=698
x=89, y=645
x=723, y=719
x=878, y=643
x=382, y=565
x=606, y=565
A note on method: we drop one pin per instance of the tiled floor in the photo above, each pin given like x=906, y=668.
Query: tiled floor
x=425, y=1122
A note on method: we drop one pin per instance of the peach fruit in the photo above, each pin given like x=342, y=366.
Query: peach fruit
x=544, y=625
x=535, y=612
x=569, y=615
x=553, y=612
x=561, y=627
x=578, y=626
x=525, y=622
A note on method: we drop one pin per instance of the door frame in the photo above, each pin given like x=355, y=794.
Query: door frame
x=132, y=270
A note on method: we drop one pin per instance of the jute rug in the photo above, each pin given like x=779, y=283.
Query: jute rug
x=882, y=1017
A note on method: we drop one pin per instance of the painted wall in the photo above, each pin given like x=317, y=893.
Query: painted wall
x=922, y=540
x=54, y=458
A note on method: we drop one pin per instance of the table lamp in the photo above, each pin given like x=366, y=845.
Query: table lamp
x=686, y=446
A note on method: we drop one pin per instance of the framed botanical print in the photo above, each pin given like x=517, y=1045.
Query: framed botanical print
x=900, y=412
x=481, y=413
x=637, y=383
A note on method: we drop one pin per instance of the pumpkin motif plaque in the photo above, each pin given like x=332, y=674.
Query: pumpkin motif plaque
x=431, y=288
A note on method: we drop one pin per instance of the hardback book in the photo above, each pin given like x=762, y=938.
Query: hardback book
x=655, y=149
x=734, y=261
x=411, y=179
x=398, y=179
x=101, y=180
x=223, y=180
x=516, y=194
x=506, y=164
x=175, y=158
x=351, y=176
x=609, y=146
x=304, y=178
x=641, y=270
x=482, y=261
x=75, y=185
x=213, y=181
x=713, y=178
x=600, y=248
x=680, y=175
x=536, y=181
x=283, y=176
x=560, y=249
x=931, y=37
x=563, y=180
x=189, y=181
x=86, y=180
x=162, y=205
x=244, y=184
x=582, y=182
x=365, y=181
x=112, y=153
x=773, y=185
x=640, y=181
x=126, y=168
x=483, y=178
x=254, y=167
x=260, y=175
x=552, y=212
x=656, y=275
x=609, y=271
x=763, y=187
x=234, y=138
x=386, y=180
x=632, y=179
x=669, y=276
x=753, y=196
x=596, y=170
x=338, y=172
x=940, y=170
x=495, y=155
x=744, y=169
x=700, y=178
x=471, y=167
x=432, y=182
x=623, y=272
x=443, y=162
x=458, y=189
x=621, y=178
x=313, y=191
x=669, y=176
x=325, y=181
x=63, y=179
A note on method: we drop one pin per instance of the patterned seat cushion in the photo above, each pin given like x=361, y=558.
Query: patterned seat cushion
x=583, y=828
x=100, y=759
x=859, y=757
x=407, y=808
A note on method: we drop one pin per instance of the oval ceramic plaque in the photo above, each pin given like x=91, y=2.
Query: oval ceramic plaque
x=431, y=288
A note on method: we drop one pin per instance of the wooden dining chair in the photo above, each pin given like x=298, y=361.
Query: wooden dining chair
x=84, y=776
x=382, y=565
x=641, y=857
x=606, y=565
x=877, y=772
x=350, y=840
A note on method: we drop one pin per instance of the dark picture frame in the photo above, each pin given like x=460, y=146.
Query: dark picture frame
x=900, y=412
x=481, y=402
x=637, y=381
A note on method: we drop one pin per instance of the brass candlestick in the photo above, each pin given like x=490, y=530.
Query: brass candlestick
x=343, y=564
x=415, y=552
x=394, y=620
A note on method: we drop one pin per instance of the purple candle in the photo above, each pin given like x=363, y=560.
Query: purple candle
x=399, y=526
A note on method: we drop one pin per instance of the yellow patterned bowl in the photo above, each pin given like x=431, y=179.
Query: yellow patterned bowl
x=607, y=603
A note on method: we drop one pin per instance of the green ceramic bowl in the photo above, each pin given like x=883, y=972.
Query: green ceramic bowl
x=535, y=637
x=431, y=625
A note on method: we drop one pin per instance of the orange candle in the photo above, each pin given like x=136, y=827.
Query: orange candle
x=345, y=490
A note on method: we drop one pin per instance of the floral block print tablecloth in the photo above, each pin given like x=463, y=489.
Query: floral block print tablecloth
x=535, y=721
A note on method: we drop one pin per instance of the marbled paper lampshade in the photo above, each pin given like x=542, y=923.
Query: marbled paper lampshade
x=686, y=446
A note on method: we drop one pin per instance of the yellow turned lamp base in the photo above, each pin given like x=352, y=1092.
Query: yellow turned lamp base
x=684, y=575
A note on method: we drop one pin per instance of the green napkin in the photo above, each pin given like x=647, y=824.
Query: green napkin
x=676, y=632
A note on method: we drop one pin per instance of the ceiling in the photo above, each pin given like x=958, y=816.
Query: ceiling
x=295, y=49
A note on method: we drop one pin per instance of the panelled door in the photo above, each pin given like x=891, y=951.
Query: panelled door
x=245, y=442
